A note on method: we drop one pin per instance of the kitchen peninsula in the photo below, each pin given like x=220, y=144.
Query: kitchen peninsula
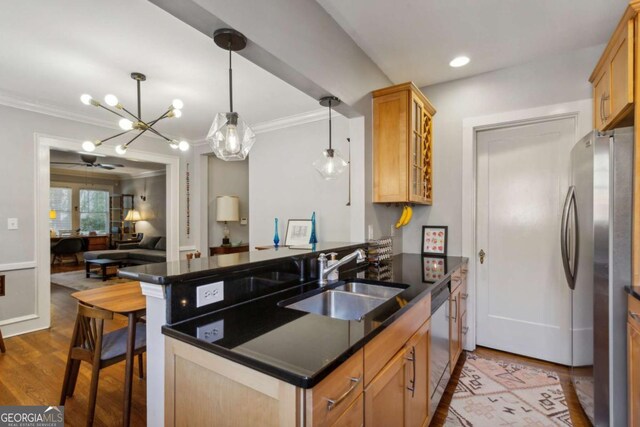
x=298, y=367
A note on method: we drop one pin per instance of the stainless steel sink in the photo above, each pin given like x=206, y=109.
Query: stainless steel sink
x=378, y=291
x=350, y=301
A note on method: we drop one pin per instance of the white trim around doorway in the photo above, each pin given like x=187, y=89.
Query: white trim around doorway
x=43, y=145
x=581, y=110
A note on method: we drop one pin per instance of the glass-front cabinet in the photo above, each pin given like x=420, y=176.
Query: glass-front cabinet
x=402, y=141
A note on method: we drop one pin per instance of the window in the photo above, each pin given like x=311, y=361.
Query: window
x=60, y=203
x=94, y=211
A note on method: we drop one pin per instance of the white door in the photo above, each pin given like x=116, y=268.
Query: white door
x=524, y=305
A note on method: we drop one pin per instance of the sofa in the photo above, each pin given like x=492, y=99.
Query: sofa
x=149, y=250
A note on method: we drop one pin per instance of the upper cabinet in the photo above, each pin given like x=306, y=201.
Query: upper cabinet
x=613, y=77
x=402, y=145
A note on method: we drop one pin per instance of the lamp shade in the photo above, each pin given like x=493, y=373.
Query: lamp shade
x=52, y=214
x=133, y=216
x=227, y=208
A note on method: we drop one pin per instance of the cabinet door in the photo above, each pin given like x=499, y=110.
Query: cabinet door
x=353, y=416
x=416, y=158
x=427, y=162
x=417, y=377
x=601, y=100
x=621, y=72
x=633, y=348
x=455, y=345
x=391, y=122
x=384, y=398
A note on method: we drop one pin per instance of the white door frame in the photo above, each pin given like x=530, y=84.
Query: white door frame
x=43, y=145
x=581, y=111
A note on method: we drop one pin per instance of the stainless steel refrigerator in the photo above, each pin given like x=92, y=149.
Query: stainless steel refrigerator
x=596, y=255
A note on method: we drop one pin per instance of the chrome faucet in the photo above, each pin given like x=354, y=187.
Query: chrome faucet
x=324, y=271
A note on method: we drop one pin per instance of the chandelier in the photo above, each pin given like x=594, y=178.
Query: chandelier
x=133, y=122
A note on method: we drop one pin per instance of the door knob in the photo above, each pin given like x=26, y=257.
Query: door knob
x=481, y=254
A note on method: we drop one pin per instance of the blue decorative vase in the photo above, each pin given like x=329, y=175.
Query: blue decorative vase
x=276, y=238
x=313, y=239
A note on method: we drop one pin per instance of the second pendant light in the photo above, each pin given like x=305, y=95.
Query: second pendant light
x=331, y=164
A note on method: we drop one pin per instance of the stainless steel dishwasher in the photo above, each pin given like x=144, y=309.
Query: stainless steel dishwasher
x=440, y=372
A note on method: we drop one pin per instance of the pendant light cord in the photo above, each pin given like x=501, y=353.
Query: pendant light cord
x=230, y=82
x=139, y=103
x=330, y=125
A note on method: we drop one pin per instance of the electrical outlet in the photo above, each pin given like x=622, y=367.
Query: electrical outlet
x=209, y=294
x=1, y=285
x=212, y=332
x=370, y=231
x=12, y=223
x=392, y=233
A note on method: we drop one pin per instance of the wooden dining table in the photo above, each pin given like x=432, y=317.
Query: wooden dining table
x=125, y=299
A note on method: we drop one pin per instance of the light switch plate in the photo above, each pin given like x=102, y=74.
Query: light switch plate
x=243, y=221
x=209, y=294
x=212, y=332
x=12, y=223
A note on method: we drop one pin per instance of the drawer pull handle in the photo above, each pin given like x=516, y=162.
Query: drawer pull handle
x=332, y=403
x=412, y=359
x=634, y=316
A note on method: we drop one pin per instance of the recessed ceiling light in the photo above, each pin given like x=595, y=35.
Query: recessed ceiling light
x=459, y=61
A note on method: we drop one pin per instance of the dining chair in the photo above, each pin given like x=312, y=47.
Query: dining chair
x=3, y=349
x=90, y=344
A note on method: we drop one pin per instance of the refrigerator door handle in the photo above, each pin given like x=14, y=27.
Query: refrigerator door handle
x=569, y=270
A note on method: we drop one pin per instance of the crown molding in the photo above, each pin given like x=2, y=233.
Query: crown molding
x=147, y=174
x=85, y=173
x=55, y=111
x=294, y=120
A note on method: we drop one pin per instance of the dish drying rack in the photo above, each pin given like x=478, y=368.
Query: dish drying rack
x=379, y=254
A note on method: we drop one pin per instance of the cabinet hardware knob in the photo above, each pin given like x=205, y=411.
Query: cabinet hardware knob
x=634, y=316
x=482, y=254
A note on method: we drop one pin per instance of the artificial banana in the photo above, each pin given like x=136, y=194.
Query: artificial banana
x=408, y=216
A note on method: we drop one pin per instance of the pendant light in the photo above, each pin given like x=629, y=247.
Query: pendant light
x=331, y=164
x=230, y=137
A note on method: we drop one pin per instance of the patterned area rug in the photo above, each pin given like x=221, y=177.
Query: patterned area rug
x=77, y=280
x=491, y=393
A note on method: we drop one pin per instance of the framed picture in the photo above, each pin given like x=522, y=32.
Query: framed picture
x=433, y=268
x=434, y=240
x=298, y=232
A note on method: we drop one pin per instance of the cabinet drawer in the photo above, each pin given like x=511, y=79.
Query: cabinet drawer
x=342, y=388
x=634, y=312
x=382, y=348
x=353, y=416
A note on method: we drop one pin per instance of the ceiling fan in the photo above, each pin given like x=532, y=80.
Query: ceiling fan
x=90, y=162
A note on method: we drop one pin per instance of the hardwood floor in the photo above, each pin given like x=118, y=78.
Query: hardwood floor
x=32, y=369
x=578, y=417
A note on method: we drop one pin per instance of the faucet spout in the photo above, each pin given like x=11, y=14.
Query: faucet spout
x=324, y=270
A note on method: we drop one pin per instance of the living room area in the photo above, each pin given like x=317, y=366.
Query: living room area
x=105, y=213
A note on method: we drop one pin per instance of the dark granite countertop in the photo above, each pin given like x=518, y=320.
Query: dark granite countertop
x=165, y=273
x=303, y=348
x=634, y=291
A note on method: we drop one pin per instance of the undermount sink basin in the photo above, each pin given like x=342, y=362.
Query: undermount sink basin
x=350, y=301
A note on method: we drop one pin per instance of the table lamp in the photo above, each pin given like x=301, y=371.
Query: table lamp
x=133, y=216
x=227, y=209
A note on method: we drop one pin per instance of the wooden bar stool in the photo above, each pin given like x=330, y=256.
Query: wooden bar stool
x=3, y=349
x=90, y=344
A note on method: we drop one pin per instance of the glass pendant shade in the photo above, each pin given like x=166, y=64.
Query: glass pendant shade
x=230, y=137
x=331, y=164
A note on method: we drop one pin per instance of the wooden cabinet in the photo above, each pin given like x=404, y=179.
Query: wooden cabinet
x=399, y=394
x=633, y=362
x=223, y=250
x=97, y=243
x=402, y=145
x=613, y=78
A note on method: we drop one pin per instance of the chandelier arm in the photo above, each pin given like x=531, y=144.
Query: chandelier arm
x=135, y=137
x=159, y=134
x=163, y=116
x=115, y=136
x=111, y=111
x=139, y=103
x=131, y=114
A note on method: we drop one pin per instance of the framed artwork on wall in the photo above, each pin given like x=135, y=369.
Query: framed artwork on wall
x=298, y=232
x=434, y=240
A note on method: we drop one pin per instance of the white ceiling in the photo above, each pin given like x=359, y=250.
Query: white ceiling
x=53, y=51
x=130, y=169
x=416, y=39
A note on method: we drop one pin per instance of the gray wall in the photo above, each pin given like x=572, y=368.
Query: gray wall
x=553, y=80
x=228, y=179
x=153, y=211
x=17, y=195
x=284, y=184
